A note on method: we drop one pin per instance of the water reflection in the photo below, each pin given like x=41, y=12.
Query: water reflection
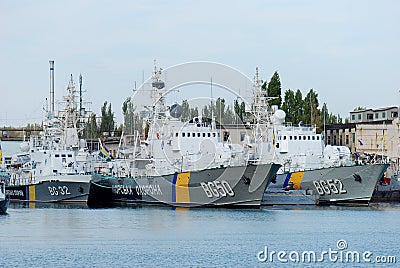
x=20, y=205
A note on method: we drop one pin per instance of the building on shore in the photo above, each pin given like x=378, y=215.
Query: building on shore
x=370, y=132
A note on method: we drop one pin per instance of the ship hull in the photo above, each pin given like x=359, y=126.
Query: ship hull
x=72, y=190
x=352, y=185
x=219, y=187
x=388, y=188
x=4, y=205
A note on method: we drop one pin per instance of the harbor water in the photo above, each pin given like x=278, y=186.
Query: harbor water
x=279, y=236
x=164, y=237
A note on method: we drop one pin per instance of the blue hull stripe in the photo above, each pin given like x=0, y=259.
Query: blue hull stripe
x=287, y=180
x=173, y=193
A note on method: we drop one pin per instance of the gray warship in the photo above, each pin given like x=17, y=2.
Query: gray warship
x=53, y=167
x=180, y=164
x=308, y=166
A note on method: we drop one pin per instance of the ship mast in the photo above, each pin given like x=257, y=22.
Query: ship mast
x=260, y=106
x=262, y=131
x=80, y=94
x=51, y=87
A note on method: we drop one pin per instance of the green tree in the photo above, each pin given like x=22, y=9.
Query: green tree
x=243, y=111
x=132, y=120
x=90, y=130
x=219, y=110
x=194, y=112
x=311, y=113
x=274, y=89
x=229, y=116
x=239, y=110
x=107, y=118
x=206, y=113
x=185, y=111
x=288, y=105
x=298, y=110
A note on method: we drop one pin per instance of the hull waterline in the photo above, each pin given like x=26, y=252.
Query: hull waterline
x=50, y=192
x=352, y=185
x=219, y=187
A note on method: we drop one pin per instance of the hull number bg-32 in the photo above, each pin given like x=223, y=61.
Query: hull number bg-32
x=60, y=190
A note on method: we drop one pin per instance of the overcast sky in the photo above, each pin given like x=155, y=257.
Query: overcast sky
x=347, y=51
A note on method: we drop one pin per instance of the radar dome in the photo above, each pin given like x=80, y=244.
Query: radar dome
x=175, y=110
x=279, y=116
x=24, y=147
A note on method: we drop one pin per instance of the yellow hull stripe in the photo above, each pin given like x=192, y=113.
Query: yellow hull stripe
x=181, y=188
x=296, y=178
x=32, y=193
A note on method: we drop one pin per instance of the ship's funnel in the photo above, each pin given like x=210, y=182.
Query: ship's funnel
x=51, y=87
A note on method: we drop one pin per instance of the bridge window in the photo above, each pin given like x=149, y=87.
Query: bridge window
x=183, y=134
x=176, y=134
x=198, y=134
x=313, y=138
x=193, y=134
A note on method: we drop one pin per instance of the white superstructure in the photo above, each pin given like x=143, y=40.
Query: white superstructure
x=56, y=151
x=171, y=145
x=295, y=147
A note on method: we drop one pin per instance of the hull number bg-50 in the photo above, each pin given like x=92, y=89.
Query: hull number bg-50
x=331, y=186
x=217, y=189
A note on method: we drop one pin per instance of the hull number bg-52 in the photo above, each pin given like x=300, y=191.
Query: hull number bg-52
x=331, y=186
